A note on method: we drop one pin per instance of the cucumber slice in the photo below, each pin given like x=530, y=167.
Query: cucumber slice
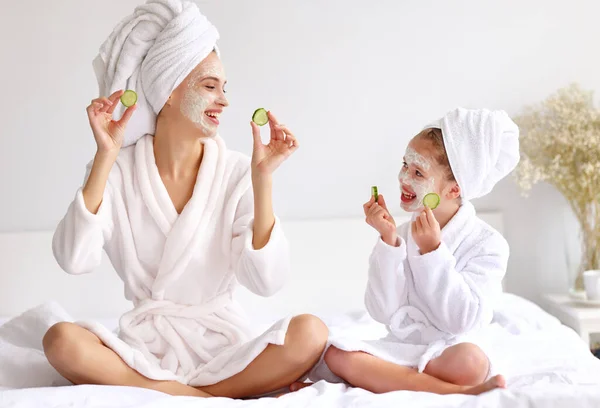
x=129, y=98
x=431, y=200
x=374, y=193
x=260, y=117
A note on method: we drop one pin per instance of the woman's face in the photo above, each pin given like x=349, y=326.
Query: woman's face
x=201, y=96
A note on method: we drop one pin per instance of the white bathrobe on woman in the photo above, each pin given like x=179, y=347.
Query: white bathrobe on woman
x=180, y=270
x=433, y=301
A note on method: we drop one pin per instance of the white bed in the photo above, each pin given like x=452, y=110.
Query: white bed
x=547, y=365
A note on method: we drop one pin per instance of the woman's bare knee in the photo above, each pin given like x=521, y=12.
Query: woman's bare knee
x=56, y=341
x=63, y=344
x=306, y=339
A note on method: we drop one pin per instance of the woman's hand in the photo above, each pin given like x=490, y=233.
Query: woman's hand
x=267, y=158
x=108, y=133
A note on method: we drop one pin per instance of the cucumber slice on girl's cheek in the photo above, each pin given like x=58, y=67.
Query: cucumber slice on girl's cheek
x=431, y=200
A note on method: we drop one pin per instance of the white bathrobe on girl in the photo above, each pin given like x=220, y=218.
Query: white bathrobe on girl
x=433, y=301
x=180, y=270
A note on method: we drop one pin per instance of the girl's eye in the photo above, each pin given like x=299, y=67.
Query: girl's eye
x=210, y=86
x=419, y=174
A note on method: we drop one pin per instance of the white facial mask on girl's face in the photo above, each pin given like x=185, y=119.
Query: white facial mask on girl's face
x=420, y=188
x=419, y=185
x=412, y=157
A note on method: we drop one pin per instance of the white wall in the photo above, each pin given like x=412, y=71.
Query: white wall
x=354, y=80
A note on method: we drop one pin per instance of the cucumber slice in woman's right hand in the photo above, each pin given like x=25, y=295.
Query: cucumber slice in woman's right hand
x=129, y=98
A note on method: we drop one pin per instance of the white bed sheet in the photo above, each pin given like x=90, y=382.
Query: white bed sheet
x=546, y=365
x=318, y=395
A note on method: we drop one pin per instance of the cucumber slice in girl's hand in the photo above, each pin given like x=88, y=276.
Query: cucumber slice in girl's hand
x=374, y=193
x=129, y=98
x=260, y=117
x=431, y=200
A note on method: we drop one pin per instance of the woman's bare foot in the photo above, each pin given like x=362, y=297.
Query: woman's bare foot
x=491, y=384
x=297, y=386
x=294, y=387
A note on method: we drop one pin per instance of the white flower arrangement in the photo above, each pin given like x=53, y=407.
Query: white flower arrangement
x=560, y=145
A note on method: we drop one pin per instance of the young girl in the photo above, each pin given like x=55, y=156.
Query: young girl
x=433, y=281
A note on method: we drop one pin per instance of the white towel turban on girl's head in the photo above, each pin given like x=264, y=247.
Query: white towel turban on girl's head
x=151, y=52
x=482, y=147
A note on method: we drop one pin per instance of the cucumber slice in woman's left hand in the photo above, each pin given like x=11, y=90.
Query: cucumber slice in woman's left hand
x=260, y=117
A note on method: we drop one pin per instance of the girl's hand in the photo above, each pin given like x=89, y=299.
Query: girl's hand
x=426, y=232
x=378, y=217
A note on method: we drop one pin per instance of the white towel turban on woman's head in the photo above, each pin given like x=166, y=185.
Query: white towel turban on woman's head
x=151, y=52
x=482, y=148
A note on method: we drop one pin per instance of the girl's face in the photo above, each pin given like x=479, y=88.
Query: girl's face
x=202, y=95
x=422, y=174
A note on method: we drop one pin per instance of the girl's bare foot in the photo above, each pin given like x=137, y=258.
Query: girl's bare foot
x=491, y=384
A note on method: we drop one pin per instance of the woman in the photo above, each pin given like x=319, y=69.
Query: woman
x=183, y=220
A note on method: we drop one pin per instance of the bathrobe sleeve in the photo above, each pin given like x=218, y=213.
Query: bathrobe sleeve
x=461, y=299
x=79, y=238
x=263, y=271
x=386, y=286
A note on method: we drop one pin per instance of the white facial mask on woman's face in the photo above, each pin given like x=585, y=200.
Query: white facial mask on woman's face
x=194, y=101
x=419, y=185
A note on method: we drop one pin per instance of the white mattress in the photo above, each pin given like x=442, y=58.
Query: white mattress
x=544, y=364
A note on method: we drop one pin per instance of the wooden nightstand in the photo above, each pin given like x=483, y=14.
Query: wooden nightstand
x=584, y=320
